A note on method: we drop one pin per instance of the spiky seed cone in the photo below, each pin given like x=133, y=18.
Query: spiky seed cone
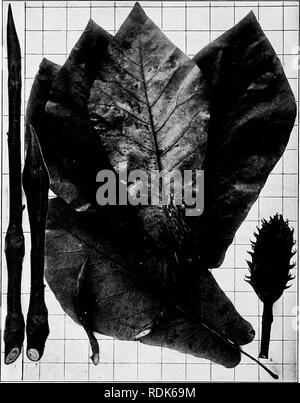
x=270, y=268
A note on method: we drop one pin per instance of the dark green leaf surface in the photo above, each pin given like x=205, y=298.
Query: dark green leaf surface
x=57, y=109
x=149, y=107
x=123, y=301
x=252, y=112
x=146, y=90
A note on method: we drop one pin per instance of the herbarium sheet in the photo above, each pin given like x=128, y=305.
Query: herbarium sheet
x=149, y=176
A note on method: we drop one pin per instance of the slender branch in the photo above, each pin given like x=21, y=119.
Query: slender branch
x=36, y=186
x=14, y=240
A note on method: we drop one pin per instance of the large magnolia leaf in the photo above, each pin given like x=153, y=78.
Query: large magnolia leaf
x=146, y=91
x=119, y=295
x=149, y=107
x=73, y=152
x=126, y=230
x=252, y=112
x=122, y=301
x=107, y=238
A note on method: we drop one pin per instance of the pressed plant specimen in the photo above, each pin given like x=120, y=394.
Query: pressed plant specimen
x=36, y=186
x=14, y=239
x=136, y=101
x=270, y=268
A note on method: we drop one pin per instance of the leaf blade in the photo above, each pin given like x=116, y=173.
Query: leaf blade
x=145, y=111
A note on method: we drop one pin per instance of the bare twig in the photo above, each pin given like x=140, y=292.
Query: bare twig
x=14, y=240
x=36, y=187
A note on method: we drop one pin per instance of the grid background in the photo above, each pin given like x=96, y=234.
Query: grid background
x=50, y=29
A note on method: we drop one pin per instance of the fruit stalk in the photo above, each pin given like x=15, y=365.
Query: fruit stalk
x=267, y=320
x=234, y=345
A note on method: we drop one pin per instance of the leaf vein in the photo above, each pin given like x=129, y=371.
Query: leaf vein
x=174, y=109
x=126, y=71
x=184, y=157
x=125, y=89
x=123, y=109
x=96, y=119
x=164, y=88
x=118, y=49
x=181, y=135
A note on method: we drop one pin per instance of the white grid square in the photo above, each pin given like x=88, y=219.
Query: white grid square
x=125, y=372
x=34, y=18
x=178, y=38
x=148, y=354
x=291, y=41
x=222, y=374
x=290, y=183
x=290, y=64
x=241, y=12
x=78, y=18
x=293, y=141
x=172, y=357
x=173, y=372
x=155, y=14
x=149, y=372
x=198, y=18
x=173, y=19
x=72, y=38
x=104, y=17
x=196, y=372
x=275, y=37
x=270, y=206
x=31, y=371
x=291, y=18
x=240, y=275
x=125, y=352
x=76, y=372
x=34, y=42
x=76, y=351
x=247, y=373
x=270, y=18
x=55, y=42
x=120, y=16
x=54, y=19
x=51, y=372
x=103, y=372
x=222, y=18
x=196, y=41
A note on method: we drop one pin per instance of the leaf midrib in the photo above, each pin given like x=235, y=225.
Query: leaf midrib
x=151, y=121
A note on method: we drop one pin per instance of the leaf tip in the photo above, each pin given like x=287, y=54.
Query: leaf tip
x=138, y=13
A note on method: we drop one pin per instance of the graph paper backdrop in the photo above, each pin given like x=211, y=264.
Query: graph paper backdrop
x=50, y=29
